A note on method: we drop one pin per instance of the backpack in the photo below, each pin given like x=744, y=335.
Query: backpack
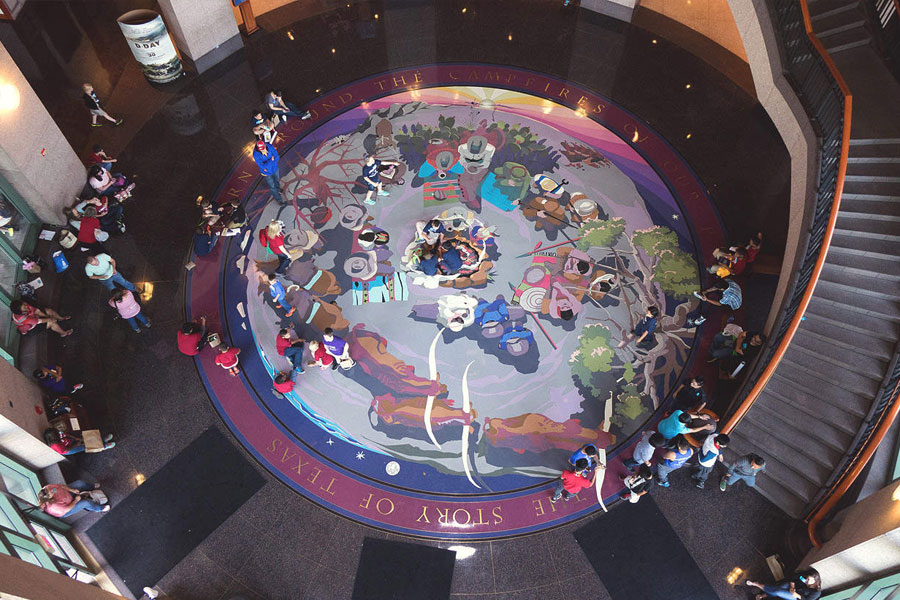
x=264, y=240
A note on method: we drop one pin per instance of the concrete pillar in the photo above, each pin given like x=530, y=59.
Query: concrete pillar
x=866, y=545
x=204, y=30
x=35, y=157
x=21, y=426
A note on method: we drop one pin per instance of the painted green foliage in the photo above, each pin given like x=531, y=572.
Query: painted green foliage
x=629, y=406
x=674, y=270
x=592, y=356
x=600, y=233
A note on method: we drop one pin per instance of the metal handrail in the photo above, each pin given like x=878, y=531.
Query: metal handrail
x=800, y=68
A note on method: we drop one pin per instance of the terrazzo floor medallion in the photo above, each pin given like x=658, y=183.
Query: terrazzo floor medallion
x=486, y=299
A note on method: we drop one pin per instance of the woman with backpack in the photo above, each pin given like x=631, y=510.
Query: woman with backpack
x=272, y=238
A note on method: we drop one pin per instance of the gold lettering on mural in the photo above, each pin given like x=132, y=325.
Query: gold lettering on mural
x=453, y=76
x=234, y=192
x=599, y=108
x=632, y=129
x=468, y=516
x=399, y=81
x=274, y=445
x=380, y=84
x=492, y=76
x=528, y=82
x=443, y=515
x=345, y=98
x=296, y=125
x=327, y=489
x=424, y=514
x=328, y=106
x=245, y=176
x=547, y=87
x=300, y=464
x=287, y=454
x=496, y=513
x=473, y=75
x=365, y=503
x=564, y=93
x=417, y=77
x=538, y=507
x=314, y=114
x=312, y=478
x=378, y=506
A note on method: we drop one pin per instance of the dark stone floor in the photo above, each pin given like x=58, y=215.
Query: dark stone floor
x=279, y=545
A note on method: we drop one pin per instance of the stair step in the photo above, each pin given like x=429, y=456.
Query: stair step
x=877, y=228
x=881, y=264
x=841, y=9
x=820, y=7
x=873, y=160
x=827, y=33
x=824, y=433
x=856, y=241
x=852, y=317
x=874, y=141
x=838, y=334
x=815, y=459
x=838, y=416
x=875, y=188
x=885, y=167
x=873, y=149
x=832, y=357
x=849, y=296
x=826, y=391
x=838, y=41
x=782, y=497
x=837, y=19
x=873, y=178
x=828, y=372
x=872, y=205
x=787, y=477
x=862, y=281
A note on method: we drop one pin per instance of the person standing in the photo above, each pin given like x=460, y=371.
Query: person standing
x=102, y=267
x=372, y=177
x=276, y=289
x=266, y=157
x=691, y=397
x=638, y=484
x=644, y=449
x=710, y=454
x=93, y=104
x=678, y=423
x=63, y=501
x=228, y=359
x=673, y=460
x=272, y=238
x=643, y=331
x=129, y=309
x=744, y=469
x=572, y=482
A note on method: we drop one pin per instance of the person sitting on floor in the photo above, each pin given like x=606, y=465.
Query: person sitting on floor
x=71, y=443
x=61, y=501
x=804, y=585
x=28, y=318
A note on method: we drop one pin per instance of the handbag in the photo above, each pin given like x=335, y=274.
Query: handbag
x=98, y=496
x=100, y=235
x=67, y=239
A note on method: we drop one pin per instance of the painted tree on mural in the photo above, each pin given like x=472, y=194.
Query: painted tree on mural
x=650, y=265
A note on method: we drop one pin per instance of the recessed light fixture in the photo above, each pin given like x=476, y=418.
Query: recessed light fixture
x=9, y=97
x=290, y=35
x=139, y=478
x=376, y=16
x=333, y=50
x=509, y=37
x=464, y=10
x=654, y=41
x=688, y=136
x=687, y=86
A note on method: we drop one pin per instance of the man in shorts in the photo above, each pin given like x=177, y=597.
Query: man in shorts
x=92, y=102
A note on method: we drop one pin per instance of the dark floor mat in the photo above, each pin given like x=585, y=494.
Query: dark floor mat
x=158, y=524
x=637, y=554
x=401, y=571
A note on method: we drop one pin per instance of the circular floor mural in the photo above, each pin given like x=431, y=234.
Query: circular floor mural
x=486, y=298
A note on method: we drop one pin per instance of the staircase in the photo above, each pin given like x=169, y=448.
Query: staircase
x=807, y=416
x=839, y=24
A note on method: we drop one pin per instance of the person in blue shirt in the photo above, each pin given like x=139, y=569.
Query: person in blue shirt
x=266, y=157
x=678, y=423
x=642, y=334
x=587, y=452
x=276, y=288
x=729, y=294
x=371, y=176
x=672, y=460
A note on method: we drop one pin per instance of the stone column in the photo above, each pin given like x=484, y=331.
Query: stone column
x=35, y=157
x=205, y=31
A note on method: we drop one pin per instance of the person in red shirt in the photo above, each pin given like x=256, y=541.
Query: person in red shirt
x=87, y=231
x=272, y=237
x=62, y=501
x=284, y=340
x=753, y=247
x=321, y=358
x=283, y=383
x=29, y=318
x=69, y=443
x=228, y=359
x=192, y=337
x=572, y=482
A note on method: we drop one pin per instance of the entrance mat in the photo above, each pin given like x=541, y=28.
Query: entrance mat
x=637, y=554
x=400, y=571
x=160, y=522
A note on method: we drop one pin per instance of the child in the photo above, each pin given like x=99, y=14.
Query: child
x=51, y=378
x=228, y=359
x=92, y=102
x=709, y=455
x=589, y=452
x=638, y=484
x=372, y=179
x=285, y=338
x=129, y=309
x=321, y=358
x=572, y=482
x=279, y=293
x=100, y=157
x=283, y=383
